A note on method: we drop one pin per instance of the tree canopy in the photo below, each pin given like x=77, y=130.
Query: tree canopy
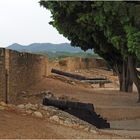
x=111, y=28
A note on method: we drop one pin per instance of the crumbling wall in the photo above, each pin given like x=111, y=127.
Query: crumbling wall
x=2, y=74
x=76, y=63
x=85, y=63
x=24, y=69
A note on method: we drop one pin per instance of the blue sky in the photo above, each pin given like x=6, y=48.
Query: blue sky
x=25, y=22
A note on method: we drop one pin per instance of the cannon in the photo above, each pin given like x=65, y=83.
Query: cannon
x=75, y=76
x=83, y=111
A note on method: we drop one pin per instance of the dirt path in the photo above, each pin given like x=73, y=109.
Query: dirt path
x=16, y=126
x=126, y=124
x=111, y=104
x=131, y=134
x=120, y=109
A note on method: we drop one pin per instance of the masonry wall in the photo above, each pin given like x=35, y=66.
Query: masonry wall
x=84, y=63
x=75, y=63
x=24, y=69
x=2, y=74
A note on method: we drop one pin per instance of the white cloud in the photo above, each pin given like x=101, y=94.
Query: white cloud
x=25, y=22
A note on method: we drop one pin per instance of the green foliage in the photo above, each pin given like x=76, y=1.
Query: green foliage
x=133, y=43
x=111, y=28
x=115, y=40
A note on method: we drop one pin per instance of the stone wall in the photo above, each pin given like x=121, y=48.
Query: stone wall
x=2, y=74
x=74, y=63
x=24, y=69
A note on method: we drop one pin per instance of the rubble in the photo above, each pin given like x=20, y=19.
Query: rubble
x=54, y=118
x=30, y=106
x=21, y=106
x=51, y=113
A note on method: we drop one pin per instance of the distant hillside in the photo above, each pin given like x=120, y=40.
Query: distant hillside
x=61, y=55
x=46, y=47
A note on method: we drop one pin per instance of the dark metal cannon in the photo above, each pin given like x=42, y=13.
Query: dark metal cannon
x=75, y=76
x=84, y=111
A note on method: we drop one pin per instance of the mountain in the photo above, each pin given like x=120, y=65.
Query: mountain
x=46, y=47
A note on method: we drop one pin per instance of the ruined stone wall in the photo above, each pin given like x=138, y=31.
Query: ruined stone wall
x=76, y=63
x=84, y=63
x=24, y=69
x=2, y=74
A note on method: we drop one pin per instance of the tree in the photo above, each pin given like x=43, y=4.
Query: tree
x=100, y=25
x=120, y=23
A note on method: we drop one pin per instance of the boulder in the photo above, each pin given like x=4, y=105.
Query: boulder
x=38, y=114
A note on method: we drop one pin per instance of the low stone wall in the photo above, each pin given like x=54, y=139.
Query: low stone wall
x=75, y=63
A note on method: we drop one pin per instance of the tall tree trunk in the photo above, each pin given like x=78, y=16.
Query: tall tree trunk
x=126, y=84
x=133, y=73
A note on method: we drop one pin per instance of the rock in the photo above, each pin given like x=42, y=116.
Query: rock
x=68, y=122
x=73, y=83
x=48, y=94
x=61, y=122
x=93, y=131
x=3, y=103
x=29, y=112
x=81, y=126
x=30, y=106
x=54, y=118
x=63, y=97
x=45, y=108
x=47, y=114
x=87, y=129
x=38, y=114
x=21, y=106
x=52, y=109
x=36, y=105
x=92, y=86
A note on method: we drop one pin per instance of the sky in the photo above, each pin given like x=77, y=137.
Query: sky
x=25, y=22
